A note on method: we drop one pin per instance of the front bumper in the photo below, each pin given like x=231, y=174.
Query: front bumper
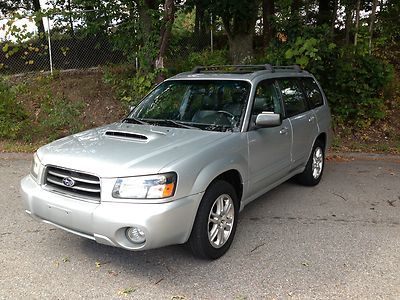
x=163, y=224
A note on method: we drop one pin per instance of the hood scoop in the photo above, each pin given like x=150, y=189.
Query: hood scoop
x=128, y=135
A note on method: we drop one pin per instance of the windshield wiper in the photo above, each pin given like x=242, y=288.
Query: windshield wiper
x=134, y=120
x=218, y=127
x=179, y=124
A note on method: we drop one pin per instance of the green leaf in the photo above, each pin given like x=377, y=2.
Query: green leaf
x=126, y=292
x=289, y=54
x=302, y=61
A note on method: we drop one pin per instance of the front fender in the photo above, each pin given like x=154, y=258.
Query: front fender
x=211, y=171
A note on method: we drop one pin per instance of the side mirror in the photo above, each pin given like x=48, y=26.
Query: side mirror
x=268, y=119
x=131, y=108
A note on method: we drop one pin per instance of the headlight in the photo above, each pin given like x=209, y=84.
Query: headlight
x=145, y=187
x=36, y=167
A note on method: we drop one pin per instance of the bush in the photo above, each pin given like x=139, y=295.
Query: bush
x=208, y=58
x=355, y=88
x=353, y=81
x=130, y=89
x=203, y=58
x=57, y=117
x=12, y=114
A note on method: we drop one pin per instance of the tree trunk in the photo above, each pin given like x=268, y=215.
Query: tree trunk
x=307, y=11
x=294, y=8
x=371, y=24
x=91, y=18
x=334, y=15
x=200, y=28
x=38, y=18
x=197, y=20
x=240, y=29
x=325, y=11
x=348, y=23
x=268, y=7
x=146, y=27
x=241, y=48
x=165, y=34
x=357, y=21
x=71, y=22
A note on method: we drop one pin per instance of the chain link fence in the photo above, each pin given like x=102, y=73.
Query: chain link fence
x=64, y=43
x=23, y=49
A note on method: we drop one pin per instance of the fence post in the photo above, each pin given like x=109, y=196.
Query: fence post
x=211, y=34
x=49, y=40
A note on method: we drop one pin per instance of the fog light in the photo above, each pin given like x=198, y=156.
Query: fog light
x=135, y=235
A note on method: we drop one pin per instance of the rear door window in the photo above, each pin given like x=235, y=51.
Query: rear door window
x=313, y=92
x=293, y=97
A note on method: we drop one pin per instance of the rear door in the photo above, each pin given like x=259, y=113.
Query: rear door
x=302, y=119
x=318, y=103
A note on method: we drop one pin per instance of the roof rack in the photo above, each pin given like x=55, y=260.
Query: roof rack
x=289, y=68
x=244, y=68
x=232, y=68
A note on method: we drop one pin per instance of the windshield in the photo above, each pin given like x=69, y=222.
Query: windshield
x=204, y=104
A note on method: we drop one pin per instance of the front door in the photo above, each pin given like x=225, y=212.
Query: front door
x=269, y=148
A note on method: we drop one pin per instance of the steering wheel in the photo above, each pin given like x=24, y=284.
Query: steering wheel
x=230, y=117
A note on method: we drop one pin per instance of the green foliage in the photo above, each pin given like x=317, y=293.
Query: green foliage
x=21, y=43
x=388, y=24
x=139, y=36
x=184, y=23
x=57, y=117
x=303, y=51
x=51, y=117
x=353, y=80
x=208, y=58
x=12, y=114
x=203, y=58
x=355, y=88
x=130, y=88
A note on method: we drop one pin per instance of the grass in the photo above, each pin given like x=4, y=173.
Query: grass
x=19, y=147
x=388, y=147
x=37, y=109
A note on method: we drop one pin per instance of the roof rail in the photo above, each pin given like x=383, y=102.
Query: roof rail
x=291, y=68
x=244, y=68
x=234, y=68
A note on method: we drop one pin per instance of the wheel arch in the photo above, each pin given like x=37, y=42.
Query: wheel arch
x=232, y=169
x=234, y=178
x=322, y=137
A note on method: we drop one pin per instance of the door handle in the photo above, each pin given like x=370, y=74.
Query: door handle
x=283, y=130
x=311, y=119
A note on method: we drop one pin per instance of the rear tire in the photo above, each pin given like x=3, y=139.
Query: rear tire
x=312, y=174
x=216, y=220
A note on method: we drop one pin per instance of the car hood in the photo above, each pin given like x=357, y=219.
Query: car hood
x=121, y=149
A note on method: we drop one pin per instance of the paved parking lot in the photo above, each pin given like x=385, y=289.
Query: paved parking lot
x=338, y=240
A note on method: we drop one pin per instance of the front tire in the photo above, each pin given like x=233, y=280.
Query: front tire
x=312, y=174
x=216, y=221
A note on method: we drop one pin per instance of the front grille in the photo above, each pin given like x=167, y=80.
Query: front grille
x=73, y=183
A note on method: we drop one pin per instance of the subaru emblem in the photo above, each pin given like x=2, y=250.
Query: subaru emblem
x=68, y=181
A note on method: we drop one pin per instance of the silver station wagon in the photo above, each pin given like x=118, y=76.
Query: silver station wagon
x=185, y=161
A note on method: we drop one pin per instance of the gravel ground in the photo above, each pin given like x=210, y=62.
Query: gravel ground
x=339, y=240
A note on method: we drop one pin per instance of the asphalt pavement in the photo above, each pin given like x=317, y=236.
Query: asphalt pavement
x=338, y=240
